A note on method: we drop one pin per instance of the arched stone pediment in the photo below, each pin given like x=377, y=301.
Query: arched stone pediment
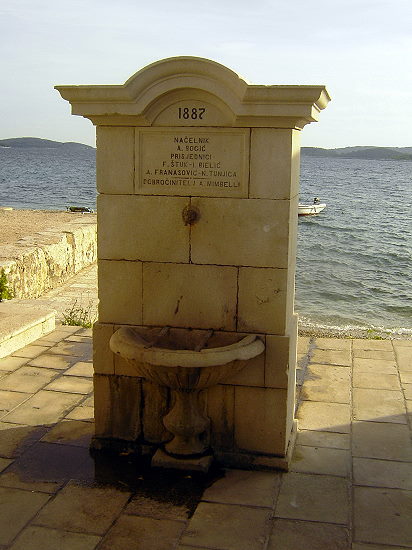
x=154, y=95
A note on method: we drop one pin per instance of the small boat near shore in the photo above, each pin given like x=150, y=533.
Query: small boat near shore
x=80, y=209
x=311, y=209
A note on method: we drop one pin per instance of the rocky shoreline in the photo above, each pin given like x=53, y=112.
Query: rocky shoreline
x=352, y=333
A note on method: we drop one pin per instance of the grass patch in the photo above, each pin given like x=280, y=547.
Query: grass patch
x=79, y=316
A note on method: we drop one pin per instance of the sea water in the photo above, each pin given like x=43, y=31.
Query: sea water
x=47, y=178
x=354, y=264
x=354, y=259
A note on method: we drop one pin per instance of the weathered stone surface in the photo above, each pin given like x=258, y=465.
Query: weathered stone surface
x=33, y=538
x=323, y=439
x=383, y=516
x=83, y=509
x=314, y=460
x=243, y=527
x=44, y=407
x=325, y=417
x=327, y=383
x=117, y=406
x=333, y=344
x=378, y=405
x=143, y=534
x=244, y=487
x=45, y=260
x=16, y=509
x=27, y=379
x=382, y=473
x=384, y=440
x=14, y=440
x=292, y=534
x=313, y=498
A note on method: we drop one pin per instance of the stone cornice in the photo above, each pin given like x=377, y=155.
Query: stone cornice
x=142, y=99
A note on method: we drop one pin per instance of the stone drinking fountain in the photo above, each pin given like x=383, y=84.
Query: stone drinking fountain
x=198, y=182
x=186, y=366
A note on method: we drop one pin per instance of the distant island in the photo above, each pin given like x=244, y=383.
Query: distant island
x=38, y=143
x=358, y=152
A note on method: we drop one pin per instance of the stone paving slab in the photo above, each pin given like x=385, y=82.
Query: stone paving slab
x=384, y=366
x=323, y=439
x=70, y=432
x=382, y=473
x=332, y=357
x=376, y=380
x=10, y=364
x=404, y=357
x=27, y=379
x=17, y=507
x=40, y=538
x=291, y=534
x=383, y=345
x=379, y=405
x=360, y=546
x=314, y=498
x=143, y=533
x=324, y=416
x=71, y=384
x=57, y=496
x=387, y=355
x=327, y=383
x=15, y=439
x=43, y=408
x=89, y=510
x=321, y=460
x=382, y=516
x=228, y=527
x=9, y=400
x=387, y=441
x=246, y=488
x=142, y=505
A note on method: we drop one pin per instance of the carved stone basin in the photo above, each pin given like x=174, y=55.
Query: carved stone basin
x=185, y=362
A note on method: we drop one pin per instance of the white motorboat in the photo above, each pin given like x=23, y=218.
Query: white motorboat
x=311, y=209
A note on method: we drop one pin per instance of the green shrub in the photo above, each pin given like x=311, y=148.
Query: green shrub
x=5, y=292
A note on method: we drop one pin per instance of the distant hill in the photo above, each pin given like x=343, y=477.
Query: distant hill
x=30, y=142
x=361, y=152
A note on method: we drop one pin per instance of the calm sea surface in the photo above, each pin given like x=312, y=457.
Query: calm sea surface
x=354, y=260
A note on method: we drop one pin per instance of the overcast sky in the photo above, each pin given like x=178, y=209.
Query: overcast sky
x=360, y=49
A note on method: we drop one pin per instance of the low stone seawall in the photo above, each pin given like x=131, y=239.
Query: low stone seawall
x=45, y=260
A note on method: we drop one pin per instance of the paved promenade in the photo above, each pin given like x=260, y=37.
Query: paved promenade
x=350, y=483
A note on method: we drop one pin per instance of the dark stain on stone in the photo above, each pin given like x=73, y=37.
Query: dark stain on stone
x=52, y=462
x=166, y=493
x=171, y=487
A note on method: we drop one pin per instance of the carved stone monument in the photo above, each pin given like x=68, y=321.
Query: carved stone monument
x=198, y=178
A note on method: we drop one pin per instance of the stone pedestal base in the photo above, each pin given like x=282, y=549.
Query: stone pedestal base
x=162, y=460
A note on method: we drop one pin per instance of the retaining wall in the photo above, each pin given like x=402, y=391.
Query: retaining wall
x=45, y=260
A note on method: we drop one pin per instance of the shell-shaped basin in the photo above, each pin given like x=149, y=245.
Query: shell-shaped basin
x=191, y=368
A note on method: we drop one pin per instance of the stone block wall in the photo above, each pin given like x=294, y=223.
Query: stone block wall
x=232, y=271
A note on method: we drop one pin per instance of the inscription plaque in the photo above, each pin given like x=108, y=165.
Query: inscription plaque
x=193, y=162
